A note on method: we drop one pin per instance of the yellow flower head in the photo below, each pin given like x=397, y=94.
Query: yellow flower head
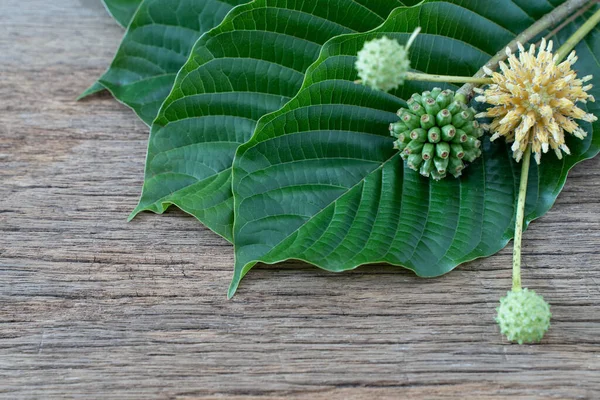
x=534, y=101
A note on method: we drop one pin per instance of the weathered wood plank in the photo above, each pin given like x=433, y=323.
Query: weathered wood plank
x=94, y=307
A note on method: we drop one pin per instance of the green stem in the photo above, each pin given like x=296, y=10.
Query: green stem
x=416, y=76
x=578, y=36
x=560, y=54
x=516, y=285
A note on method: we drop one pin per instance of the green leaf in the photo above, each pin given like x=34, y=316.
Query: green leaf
x=157, y=43
x=95, y=88
x=320, y=182
x=122, y=10
x=250, y=65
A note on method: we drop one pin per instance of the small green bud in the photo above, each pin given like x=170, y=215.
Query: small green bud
x=461, y=98
x=417, y=109
x=456, y=107
x=434, y=134
x=414, y=146
x=430, y=105
x=444, y=98
x=448, y=133
x=472, y=143
x=426, y=167
x=443, y=117
x=523, y=316
x=436, y=175
x=397, y=128
x=456, y=150
x=427, y=121
x=435, y=92
x=441, y=164
x=460, y=137
x=419, y=134
x=410, y=120
x=442, y=150
x=455, y=166
x=416, y=97
x=414, y=161
x=460, y=119
x=468, y=128
x=400, y=145
x=428, y=151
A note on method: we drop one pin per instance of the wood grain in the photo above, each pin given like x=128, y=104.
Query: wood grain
x=94, y=307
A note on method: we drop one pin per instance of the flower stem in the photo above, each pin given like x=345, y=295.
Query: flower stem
x=578, y=36
x=551, y=19
x=516, y=278
x=560, y=54
x=416, y=76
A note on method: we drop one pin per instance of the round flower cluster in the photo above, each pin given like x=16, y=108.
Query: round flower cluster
x=437, y=133
x=523, y=316
x=382, y=63
x=535, y=101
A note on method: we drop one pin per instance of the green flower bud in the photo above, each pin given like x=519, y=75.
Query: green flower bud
x=427, y=121
x=416, y=97
x=436, y=175
x=428, y=151
x=427, y=167
x=448, y=133
x=456, y=107
x=382, y=64
x=435, y=92
x=419, y=134
x=460, y=119
x=434, y=134
x=442, y=150
x=456, y=151
x=443, y=117
x=430, y=105
x=414, y=161
x=460, y=137
x=444, y=98
x=397, y=128
x=455, y=166
x=414, y=146
x=472, y=143
x=440, y=128
x=410, y=120
x=523, y=316
x=441, y=164
x=417, y=109
x=470, y=127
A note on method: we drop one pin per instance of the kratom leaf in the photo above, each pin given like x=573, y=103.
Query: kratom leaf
x=156, y=45
x=122, y=10
x=319, y=181
x=250, y=65
x=95, y=88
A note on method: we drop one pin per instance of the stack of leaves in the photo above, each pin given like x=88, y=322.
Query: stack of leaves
x=259, y=131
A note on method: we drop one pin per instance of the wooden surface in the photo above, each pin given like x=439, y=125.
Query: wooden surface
x=94, y=307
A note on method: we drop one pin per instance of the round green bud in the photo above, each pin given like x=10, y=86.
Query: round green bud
x=439, y=127
x=523, y=316
x=382, y=64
